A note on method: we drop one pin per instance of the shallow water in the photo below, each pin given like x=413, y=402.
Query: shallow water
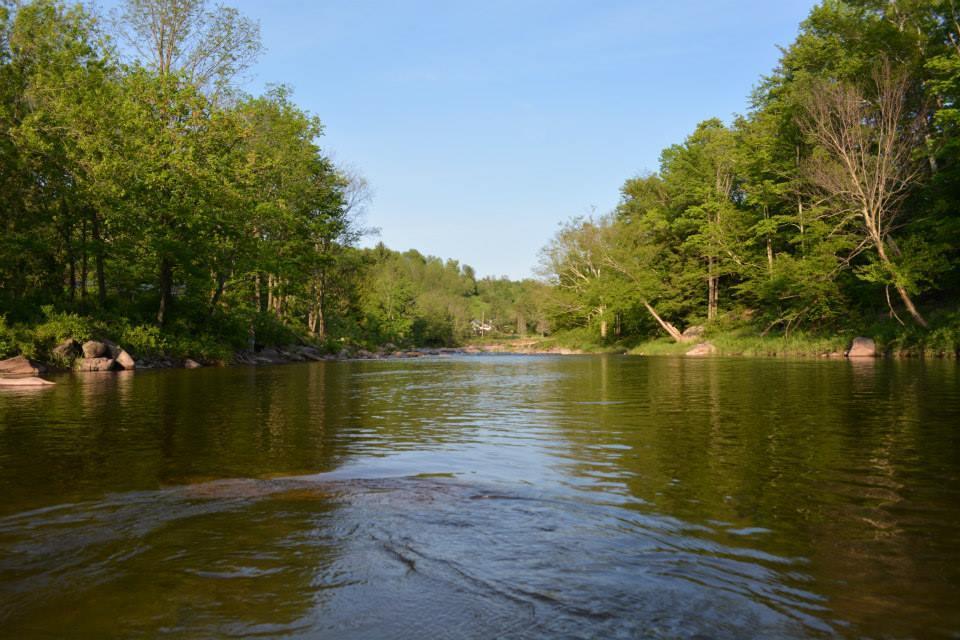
x=486, y=496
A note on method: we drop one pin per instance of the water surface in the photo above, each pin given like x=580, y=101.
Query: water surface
x=486, y=496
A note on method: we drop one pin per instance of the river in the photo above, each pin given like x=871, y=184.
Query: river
x=486, y=497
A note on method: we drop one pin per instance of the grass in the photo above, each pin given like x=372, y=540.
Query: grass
x=940, y=340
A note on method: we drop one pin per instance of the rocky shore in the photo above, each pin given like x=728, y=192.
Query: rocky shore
x=105, y=356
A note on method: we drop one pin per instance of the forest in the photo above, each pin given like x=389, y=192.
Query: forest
x=830, y=207
x=149, y=200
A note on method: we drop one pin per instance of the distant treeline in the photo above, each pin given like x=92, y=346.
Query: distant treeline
x=834, y=203
x=146, y=198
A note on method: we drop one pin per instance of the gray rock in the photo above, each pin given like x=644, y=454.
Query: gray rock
x=67, y=350
x=95, y=349
x=703, y=349
x=125, y=360
x=20, y=366
x=694, y=332
x=95, y=364
x=190, y=363
x=862, y=348
x=311, y=354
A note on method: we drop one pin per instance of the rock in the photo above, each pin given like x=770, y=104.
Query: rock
x=24, y=382
x=20, y=366
x=270, y=356
x=95, y=364
x=125, y=360
x=311, y=354
x=862, y=348
x=693, y=333
x=67, y=350
x=95, y=349
x=702, y=349
x=190, y=363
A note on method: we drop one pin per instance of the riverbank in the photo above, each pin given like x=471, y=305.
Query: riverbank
x=68, y=342
x=938, y=343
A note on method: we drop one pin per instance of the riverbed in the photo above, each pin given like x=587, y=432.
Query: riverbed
x=486, y=496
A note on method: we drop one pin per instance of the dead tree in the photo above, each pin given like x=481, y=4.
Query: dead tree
x=870, y=164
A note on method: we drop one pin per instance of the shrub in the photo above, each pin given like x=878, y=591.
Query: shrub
x=142, y=340
x=8, y=340
x=59, y=326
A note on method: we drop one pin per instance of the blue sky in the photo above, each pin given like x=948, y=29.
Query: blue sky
x=482, y=125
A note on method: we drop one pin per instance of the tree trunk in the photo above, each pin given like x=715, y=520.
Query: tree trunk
x=83, y=261
x=218, y=292
x=711, y=291
x=98, y=258
x=669, y=328
x=270, y=292
x=907, y=302
x=71, y=257
x=166, y=290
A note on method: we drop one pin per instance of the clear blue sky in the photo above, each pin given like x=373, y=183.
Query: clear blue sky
x=481, y=125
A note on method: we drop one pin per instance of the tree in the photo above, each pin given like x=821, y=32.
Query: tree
x=868, y=165
x=208, y=46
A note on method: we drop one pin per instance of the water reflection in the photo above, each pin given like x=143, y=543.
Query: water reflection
x=487, y=496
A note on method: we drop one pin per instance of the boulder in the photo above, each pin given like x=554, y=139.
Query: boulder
x=311, y=354
x=270, y=356
x=24, y=382
x=693, y=333
x=20, y=366
x=67, y=350
x=862, y=348
x=702, y=349
x=125, y=360
x=95, y=364
x=190, y=363
x=95, y=349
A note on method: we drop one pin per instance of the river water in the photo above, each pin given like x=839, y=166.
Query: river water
x=486, y=497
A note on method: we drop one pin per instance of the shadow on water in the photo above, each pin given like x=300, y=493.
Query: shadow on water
x=486, y=497
x=382, y=558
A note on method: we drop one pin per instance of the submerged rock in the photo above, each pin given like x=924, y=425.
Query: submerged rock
x=703, y=349
x=862, y=348
x=24, y=382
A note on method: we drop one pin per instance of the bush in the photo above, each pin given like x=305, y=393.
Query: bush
x=8, y=340
x=142, y=340
x=59, y=326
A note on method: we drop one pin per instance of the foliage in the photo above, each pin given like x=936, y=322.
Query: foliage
x=831, y=205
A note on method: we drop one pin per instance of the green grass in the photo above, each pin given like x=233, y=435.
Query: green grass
x=940, y=340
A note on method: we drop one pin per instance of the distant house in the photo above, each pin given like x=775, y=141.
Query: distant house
x=480, y=327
